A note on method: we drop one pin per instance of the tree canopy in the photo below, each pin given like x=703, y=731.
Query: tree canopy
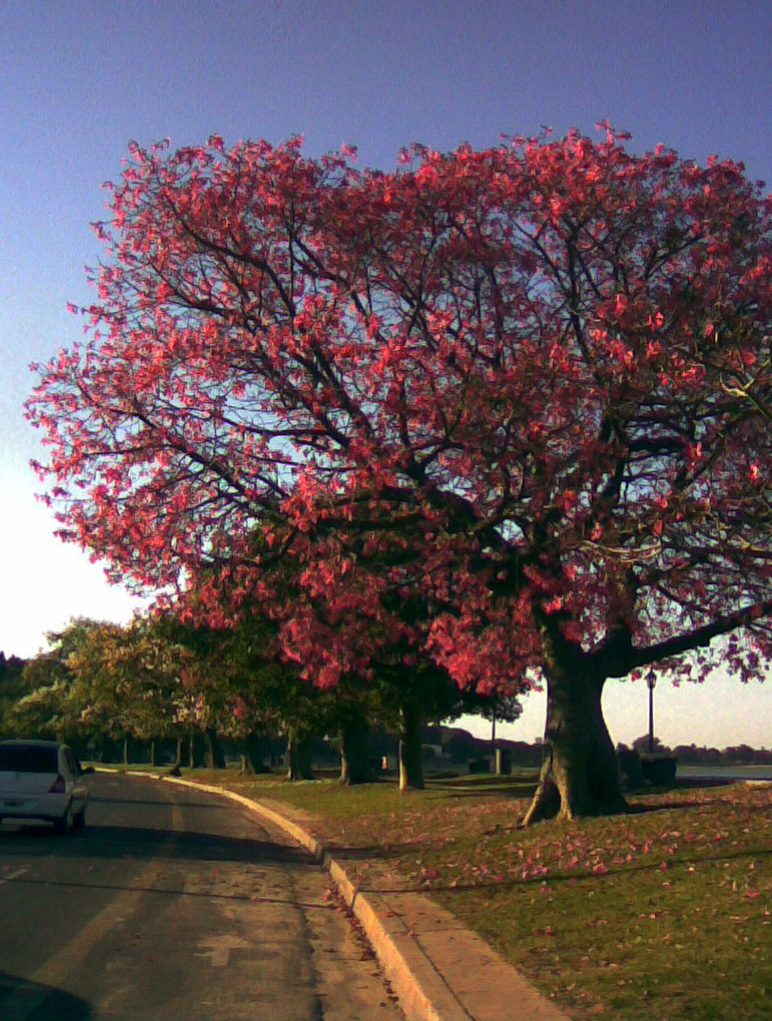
x=522, y=389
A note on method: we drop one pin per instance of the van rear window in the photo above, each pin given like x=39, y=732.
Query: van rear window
x=22, y=758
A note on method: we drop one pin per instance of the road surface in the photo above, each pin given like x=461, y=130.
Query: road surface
x=174, y=904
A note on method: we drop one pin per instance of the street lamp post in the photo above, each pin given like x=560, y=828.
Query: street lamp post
x=651, y=681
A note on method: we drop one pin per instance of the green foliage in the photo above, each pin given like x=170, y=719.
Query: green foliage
x=237, y=674
x=161, y=677
x=102, y=679
x=12, y=688
x=47, y=705
x=128, y=681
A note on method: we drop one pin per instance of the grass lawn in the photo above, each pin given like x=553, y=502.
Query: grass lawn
x=663, y=914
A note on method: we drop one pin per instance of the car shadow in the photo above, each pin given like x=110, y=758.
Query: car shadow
x=22, y=1000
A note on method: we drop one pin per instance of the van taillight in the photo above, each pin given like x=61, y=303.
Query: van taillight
x=59, y=786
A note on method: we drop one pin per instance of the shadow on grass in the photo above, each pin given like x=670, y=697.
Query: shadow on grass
x=491, y=779
x=669, y=792
x=559, y=878
x=505, y=793
x=374, y=852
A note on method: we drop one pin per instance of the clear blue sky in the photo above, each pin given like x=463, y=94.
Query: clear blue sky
x=79, y=78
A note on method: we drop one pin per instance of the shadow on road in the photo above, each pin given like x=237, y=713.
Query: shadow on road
x=141, y=843
x=21, y=1000
x=101, y=800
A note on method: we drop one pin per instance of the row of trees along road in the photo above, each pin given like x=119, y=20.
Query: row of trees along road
x=102, y=685
x=505, y=411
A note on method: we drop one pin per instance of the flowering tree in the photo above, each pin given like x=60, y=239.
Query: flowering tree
x=395, y=685
x=519, y=386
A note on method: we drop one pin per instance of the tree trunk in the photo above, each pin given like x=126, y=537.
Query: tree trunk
x=215, y=757
x=579, y=773
x=253, y=748
x=126, y=750
x=354, y=750
x=153, y=752
x=196, y=750
x=182, y=757
x=298, y=758
x=411, y=770
x=179, y=756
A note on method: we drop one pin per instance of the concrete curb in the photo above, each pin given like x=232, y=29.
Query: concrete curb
x=408, y=934
x=423, y=993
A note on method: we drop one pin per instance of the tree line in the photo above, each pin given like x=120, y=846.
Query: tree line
x=105, y=687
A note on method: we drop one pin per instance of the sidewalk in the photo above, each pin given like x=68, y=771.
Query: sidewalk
x=439, y=970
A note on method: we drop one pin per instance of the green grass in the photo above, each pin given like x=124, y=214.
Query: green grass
x=661, y=914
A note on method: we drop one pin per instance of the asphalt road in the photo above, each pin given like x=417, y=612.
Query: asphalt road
x=174, y=904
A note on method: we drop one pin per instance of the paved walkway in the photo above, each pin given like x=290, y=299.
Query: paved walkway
x=439, y=970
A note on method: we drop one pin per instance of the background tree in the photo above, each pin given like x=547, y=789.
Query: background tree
x=496, y=708
x=128, y=683
x=48, y=706
x=643, y=745
x=11, y=688
x=495, y=378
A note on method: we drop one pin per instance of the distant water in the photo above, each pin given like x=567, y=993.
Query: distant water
x=724, y=772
